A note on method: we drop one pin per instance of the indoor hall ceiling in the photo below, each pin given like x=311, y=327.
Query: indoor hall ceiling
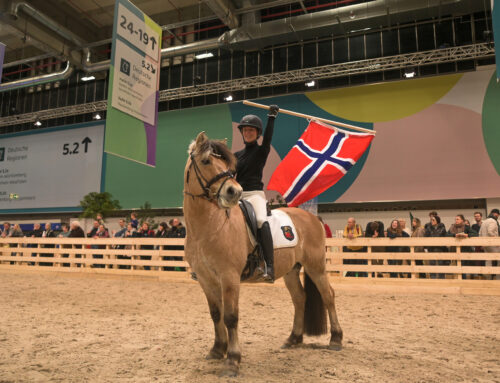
x=92, y=20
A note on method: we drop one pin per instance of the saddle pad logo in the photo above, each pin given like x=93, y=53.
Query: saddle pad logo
x=288, y=233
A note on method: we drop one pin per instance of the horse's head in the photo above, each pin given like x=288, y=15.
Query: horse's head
x=210, y=172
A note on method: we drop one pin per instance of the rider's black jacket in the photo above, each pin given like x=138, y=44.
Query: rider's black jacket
x=252, y=159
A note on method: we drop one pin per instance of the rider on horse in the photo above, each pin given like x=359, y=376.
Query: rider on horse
x=251, y=162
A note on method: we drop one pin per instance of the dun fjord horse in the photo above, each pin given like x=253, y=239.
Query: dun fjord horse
x=217, y=246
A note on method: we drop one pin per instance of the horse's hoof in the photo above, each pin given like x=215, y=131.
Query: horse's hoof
x=290, y=345
x=229, y=372
x=335, y=346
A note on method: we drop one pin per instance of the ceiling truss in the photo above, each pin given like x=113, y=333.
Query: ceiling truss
x=410, y=60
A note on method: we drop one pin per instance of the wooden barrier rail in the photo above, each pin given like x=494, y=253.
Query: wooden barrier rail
x=162, y=256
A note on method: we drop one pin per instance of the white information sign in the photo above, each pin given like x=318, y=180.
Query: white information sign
x=50, y=170
x=134, y=83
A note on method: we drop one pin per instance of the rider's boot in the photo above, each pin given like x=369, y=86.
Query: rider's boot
x=266, y=241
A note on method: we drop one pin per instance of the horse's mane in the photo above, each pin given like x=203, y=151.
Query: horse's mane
x=217, y=148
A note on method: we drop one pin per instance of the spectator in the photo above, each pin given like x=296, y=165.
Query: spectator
x=131, y=231
x=145, y=232
x=417, y=232
x=490, y=228
x=177, y=230
x=352, y=231
x=95, y=227
x=99, y=219
x=7, y=230
x=123, y=229
x=402, y=223
x=16, y=231
x=76, y=232
x=432, y=214
x=48, y=232
x=436, y=229
x=460, y=230
x=101, y=232
x=65, y=231
x=162, y=231
x=375, y=229
x=328, y=231
x=133, y=220
x=478, y=218
x=37, y=231
x=394, y=231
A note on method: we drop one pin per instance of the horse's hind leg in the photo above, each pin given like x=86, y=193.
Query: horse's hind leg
x=214, y=299
x=328, y=297
x=292, y=282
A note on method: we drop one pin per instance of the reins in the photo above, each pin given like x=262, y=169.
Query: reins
x=205, y=185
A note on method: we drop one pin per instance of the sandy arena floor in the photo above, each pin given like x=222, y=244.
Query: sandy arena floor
x=70, y=329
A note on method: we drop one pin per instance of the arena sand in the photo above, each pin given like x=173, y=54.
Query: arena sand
x=71, y=329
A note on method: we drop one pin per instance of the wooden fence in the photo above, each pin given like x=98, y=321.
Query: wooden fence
x=378, y=263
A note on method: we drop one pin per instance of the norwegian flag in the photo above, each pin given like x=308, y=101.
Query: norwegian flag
x=321, y=156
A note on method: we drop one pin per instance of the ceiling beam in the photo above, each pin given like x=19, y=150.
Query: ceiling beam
x=224, y=11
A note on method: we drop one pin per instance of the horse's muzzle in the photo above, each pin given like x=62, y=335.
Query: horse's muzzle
x=230, y=195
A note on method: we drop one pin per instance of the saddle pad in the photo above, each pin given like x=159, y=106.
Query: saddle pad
x=282, y=229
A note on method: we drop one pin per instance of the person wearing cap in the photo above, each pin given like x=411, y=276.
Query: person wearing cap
x=249, y=167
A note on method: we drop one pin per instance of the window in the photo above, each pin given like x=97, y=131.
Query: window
x=407, y=39
x=357, y=48
x=426, y=37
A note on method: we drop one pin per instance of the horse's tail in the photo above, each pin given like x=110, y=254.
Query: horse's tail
x=315, y=322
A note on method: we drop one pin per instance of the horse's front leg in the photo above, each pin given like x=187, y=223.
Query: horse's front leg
x=212, y=290
x=230, y=297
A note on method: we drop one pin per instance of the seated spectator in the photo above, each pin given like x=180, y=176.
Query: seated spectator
x=123, y=229
x=7, y=230
x=48, y=233
x=145, y=232
x=37, y=231
x=93, y=231
x=65, y=231
x=162, y=231
x=16, y=231
x=177, y=230
x=131, y=231
x=101, y=232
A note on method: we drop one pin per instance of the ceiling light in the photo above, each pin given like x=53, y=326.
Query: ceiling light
x=409, y=74
x=229, y=97
x=97, y=116
x=87, y=78
x=310, y=84
x=38, y=123
x=204, y=55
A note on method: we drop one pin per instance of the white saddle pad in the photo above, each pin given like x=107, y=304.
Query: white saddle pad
x=282, y=229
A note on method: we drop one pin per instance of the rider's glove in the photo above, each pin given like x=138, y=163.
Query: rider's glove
x=273, y=111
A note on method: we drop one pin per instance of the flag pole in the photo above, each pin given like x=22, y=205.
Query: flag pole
x=331, y=122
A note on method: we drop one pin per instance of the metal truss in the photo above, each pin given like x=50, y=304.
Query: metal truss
x=410, y=60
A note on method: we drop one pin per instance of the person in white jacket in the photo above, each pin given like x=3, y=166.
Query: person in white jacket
x=489, y=228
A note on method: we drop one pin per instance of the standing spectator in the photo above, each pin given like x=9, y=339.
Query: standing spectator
x=37, y=231
x=394, y=231
x=352, y=231
x=375, y=229
x=16, y=231
x=328, y=231
x=478, y=217
x=402, y=223
x=131, y=231
x=490, y=228
x=134, y=221
x=418, y=232
x=436, y=229
x=432, y=214
x=48, y=233
x=101, y=232
x=460, y=230
x=99, y=219
x=93, y=231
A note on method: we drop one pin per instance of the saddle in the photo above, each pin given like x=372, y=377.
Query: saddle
x=283, y=233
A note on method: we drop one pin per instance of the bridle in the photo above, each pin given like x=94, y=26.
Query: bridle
x=205, y=185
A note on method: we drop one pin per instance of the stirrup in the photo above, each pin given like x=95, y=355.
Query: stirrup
x=194, y=277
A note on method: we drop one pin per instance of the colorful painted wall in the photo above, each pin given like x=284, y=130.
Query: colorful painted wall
x=437, y=138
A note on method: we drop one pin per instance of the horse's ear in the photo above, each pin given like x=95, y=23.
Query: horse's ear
x=201, y=139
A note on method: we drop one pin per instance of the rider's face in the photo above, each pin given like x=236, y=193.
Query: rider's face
x=249, y=133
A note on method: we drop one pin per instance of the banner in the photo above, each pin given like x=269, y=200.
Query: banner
x=50, y=170
x=2, y=54
x=134, y=79
x=495, y=17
